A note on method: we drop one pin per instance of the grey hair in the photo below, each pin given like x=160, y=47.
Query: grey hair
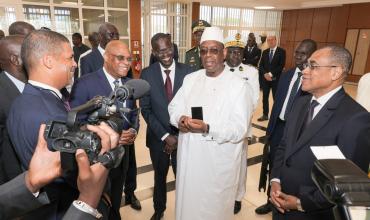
x=39, y=43
x=341, y=56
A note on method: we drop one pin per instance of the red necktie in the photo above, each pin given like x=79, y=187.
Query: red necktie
x=168, y=85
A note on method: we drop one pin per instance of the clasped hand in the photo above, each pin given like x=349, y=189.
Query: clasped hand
x=187, y=124
x=283, y=202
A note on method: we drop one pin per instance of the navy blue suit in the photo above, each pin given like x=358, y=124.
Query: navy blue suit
x=154, y=108
x=86, y=88
x=275, y=126
x=341, y=122
x=91, y=62
x=32, y=108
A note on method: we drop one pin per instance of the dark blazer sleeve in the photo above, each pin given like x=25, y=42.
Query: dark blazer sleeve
x=76, y=214
x=146, y=110
x=79, y=93
x=16, y=199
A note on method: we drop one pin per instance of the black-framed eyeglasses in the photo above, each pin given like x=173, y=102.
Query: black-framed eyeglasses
x=315, y=66
x=213, y=51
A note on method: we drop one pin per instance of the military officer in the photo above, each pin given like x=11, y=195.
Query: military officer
x=235, y=47
x=192, y=57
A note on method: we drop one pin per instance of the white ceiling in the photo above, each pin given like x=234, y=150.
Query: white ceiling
x=279, y=4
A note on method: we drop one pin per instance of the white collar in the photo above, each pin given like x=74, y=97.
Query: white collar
x=101, y=50
x=19, y=84
x=172, y=67
x=110, y=78
x=55, y=91
x=325, y=98
x=274, y=49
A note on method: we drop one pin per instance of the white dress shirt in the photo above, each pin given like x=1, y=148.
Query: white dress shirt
x=53, y=90
x=19, y=84
x=294, y=78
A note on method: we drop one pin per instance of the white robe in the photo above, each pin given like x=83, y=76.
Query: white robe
x=363, y=91
x=208, y=166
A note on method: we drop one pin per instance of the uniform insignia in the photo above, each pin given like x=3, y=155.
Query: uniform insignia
x=192, y=60
x=241, y=68
x=238, y=36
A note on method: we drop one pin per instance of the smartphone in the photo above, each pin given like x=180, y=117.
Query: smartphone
x=197, y=113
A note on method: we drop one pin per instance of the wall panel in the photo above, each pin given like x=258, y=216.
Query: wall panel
x=320, y=24
x=304, y=24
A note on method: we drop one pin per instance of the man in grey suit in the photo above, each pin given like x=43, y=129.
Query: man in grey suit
x=24, y=193
x=165, y=78
x=12, y=81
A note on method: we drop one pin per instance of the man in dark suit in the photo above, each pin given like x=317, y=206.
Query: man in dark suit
x=117, y=61
x=165, y=78
x=24, y=193
x=271, y=66
x=48, y=59
x=327, y=117
x=94, y=60
x=287, y=92
x=12, y=82
x=252, y=53
x=78, y=49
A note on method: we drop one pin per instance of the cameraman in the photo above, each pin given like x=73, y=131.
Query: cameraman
x=117, y=61
x=48, y=59
x=25, y=191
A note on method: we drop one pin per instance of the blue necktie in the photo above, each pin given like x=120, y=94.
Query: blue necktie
x=116, y=84
x=292, y=94
x=271, y=55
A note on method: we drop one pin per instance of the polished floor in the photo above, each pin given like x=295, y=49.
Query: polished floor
x=252, y=199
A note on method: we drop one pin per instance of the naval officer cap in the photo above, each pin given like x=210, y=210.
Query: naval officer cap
x=199, y=25
x=212, y=33
x=236, y=40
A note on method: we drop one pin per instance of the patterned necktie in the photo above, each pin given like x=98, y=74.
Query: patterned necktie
x=292, y=94
x=168, y=85
x=116, y=84
x=271, y=55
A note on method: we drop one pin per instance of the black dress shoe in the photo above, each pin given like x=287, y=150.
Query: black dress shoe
x=237, y=207
x=157, y=216
x=264, y=209
x=263, y=118
x=133, y=201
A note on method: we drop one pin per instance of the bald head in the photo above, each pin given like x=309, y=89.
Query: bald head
x=20, y=28
x=107, y=33
x=117, y=59
x=10, y=56
x=2, y=34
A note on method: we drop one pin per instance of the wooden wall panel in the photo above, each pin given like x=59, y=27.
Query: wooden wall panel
x=304, y=24
x=320, y=24
x=195, y=10
x=359, y=16
x=288, y=26
x=289, y=50
x=338, y=24
x=135, y=32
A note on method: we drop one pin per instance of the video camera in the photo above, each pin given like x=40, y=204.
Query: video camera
x=345, y=185
x=69, y=136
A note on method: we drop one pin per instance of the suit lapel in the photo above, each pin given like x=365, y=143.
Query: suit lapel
x=318, y=122
x=157, y=74
x=178, y=78
x=104, y=82
x=9, y=86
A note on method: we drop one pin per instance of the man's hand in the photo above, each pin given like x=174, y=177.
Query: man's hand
x=289, y=202
x=91, y=179
x=182, y=127
x=274, y=196
x=128, y=136
x=171, y=144
x=45, y=165
x=267, y=77
x=196, y=125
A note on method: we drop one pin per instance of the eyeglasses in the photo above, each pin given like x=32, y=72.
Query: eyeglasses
x=122, y=58
x=314, y=66
x=213, y=51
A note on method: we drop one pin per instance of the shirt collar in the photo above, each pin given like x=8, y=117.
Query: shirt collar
x=101, y=50
x=325, y=98
x=274, y=48
x=19, y=84
x=172, y=67
x=55, y=91
x=110, y=78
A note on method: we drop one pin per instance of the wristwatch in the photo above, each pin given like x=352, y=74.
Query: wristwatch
x=299, y=206
x=84, y=207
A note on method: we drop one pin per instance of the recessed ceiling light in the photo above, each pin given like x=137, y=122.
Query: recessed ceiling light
x=264, y=7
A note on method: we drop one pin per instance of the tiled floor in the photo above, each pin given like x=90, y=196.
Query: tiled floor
x=145, y=179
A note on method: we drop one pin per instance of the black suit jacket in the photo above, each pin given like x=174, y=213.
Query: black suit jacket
x=341, y=122
x=91, y=62
x=252, y=57
x=9, y=163
x=154, y=106
x=277, y=64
